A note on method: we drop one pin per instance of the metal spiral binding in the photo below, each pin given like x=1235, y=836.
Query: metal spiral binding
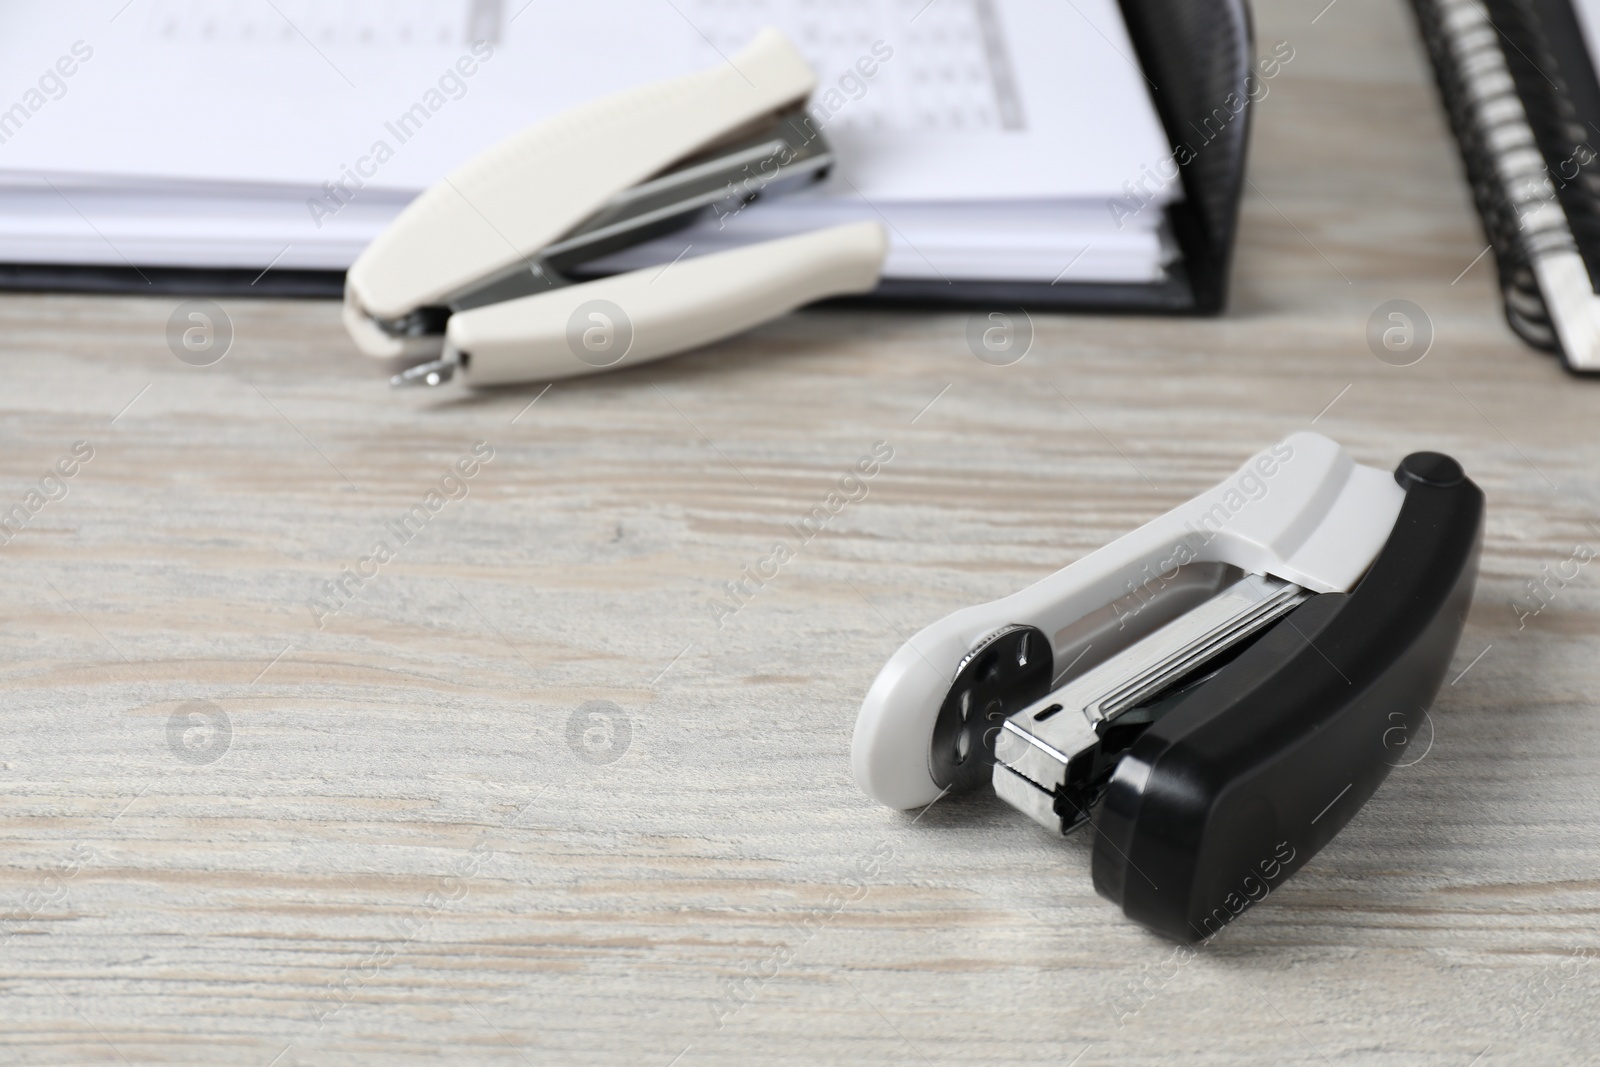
x=1519, y=205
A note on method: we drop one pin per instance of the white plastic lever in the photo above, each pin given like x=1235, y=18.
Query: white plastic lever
x=1302, y=511
x=533, y=187
x=643, y=315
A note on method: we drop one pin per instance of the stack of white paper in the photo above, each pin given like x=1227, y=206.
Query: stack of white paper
x=997, y=139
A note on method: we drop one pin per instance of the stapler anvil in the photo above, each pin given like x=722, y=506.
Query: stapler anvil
x=480, y=275
x=1216, y=693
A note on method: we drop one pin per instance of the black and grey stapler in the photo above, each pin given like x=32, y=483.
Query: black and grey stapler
x=1217, y=693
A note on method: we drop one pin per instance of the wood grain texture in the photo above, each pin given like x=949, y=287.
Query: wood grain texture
x=401, y=856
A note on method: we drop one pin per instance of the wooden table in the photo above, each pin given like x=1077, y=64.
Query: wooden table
x=233, y=835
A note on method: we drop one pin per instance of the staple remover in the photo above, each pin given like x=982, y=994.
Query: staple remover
x=1216, y=693
x=482, y=276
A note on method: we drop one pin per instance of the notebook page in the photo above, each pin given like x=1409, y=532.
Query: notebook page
x=967, y=99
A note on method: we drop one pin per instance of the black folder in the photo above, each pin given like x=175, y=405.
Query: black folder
x=1195, y=54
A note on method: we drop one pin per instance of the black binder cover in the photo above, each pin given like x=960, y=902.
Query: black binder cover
x=1194, y=53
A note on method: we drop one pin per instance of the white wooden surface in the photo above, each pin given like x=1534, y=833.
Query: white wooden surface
x=399, y=858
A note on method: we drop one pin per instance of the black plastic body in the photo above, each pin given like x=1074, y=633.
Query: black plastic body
x=1252, y=773
x=1196, y=57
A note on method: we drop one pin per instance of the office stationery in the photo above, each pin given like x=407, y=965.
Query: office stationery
x=1216, y=693
x=475, y=276
x=215, y=147
x=1518, y=82
x=729, y=842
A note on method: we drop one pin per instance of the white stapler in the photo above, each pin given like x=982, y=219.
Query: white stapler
x=1215, y=693
x=480, y=276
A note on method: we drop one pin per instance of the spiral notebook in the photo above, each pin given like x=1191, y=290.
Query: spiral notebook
x=1518, y=82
